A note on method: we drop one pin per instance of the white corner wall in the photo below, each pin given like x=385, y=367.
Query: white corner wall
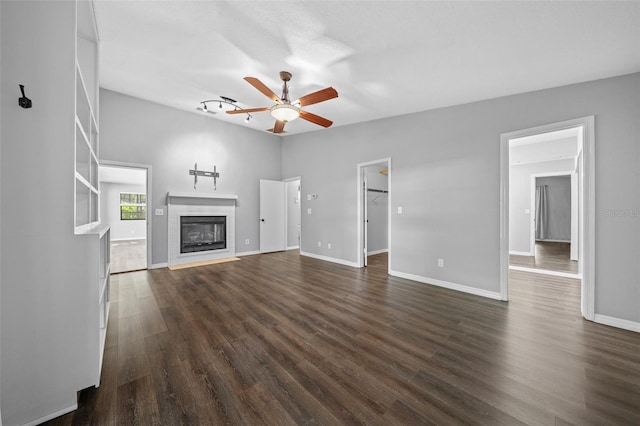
x=446, y=176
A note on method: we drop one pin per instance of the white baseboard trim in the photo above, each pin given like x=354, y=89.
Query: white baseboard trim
x=617, y=322
x=293, y=247
x=247, y=253
x=159, y=265
x=554, y=241
x=452, y=286
x=53, y=415
x=127, y=239
x=330, y=259
x=521, y=253
x=374, y=252
x=577, y=276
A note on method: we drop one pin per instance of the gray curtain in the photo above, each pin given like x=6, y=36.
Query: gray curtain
x=542, y=216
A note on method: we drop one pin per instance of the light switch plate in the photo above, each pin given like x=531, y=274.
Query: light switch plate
x=159, y=212
x=399, y=209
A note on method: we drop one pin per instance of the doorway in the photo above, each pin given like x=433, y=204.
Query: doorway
x=124, y=201
x=293, y=213
x=518, y=210
x=374, y=204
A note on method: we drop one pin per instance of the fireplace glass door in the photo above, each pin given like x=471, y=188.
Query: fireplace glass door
x=202, y=233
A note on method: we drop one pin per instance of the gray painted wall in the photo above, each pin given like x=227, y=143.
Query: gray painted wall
x=110, y=211
x=446, y=176
x=559, y=206
x=293, y=212
x=377, y=210
x=171, y=141
x=520, y=199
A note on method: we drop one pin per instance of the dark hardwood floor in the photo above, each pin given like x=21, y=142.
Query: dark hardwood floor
x=281, y=339
x=551, y=256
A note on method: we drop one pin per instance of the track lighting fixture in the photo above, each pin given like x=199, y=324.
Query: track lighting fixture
x=223, y=100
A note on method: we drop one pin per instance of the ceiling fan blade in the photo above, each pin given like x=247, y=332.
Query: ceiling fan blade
x=278, y=127
x=319, y=96
x=264, y=89
x=316, y=119
x=246, y=111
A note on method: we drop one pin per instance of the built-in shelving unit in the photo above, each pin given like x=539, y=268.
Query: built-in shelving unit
x=87, y=187
x=95, y=237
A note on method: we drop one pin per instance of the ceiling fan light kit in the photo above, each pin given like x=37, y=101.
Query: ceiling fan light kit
x=285, y=112
x=283, y=109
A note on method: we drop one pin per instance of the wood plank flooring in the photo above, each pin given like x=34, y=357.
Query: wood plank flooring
x=280, y=339
x=551, y=256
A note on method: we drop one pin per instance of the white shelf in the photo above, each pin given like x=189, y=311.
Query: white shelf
x=182, y=195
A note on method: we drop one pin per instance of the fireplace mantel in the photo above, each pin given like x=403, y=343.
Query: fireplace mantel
x=177, y=196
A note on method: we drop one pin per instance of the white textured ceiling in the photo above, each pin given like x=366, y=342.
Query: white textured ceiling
x=384, y=58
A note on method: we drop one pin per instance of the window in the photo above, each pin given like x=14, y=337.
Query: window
x=133, y=206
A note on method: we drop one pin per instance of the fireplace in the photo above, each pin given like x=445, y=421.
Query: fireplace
x=201, y=227
x=202, y=233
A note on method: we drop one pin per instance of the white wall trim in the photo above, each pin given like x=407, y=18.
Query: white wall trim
x=617, y=322
x=247, y=253
x=451, y=286
x=293, y=247
x=521, y=253
x=53, y=415
x=159, y=265
x=573, y=275
x=330, y=259
x=374, y=252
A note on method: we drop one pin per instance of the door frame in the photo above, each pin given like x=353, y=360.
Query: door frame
x=587, y=124
x=147, y=167
x=360, y=209
x=532, y=223
x=286, y=215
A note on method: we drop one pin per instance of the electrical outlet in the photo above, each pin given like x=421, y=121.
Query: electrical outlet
x=308, y=197
x=319, y=243
x=399, y=209
x=440, y=263
x=246, y=242
x=159, y=212
x=328, y=245
x=309, y=211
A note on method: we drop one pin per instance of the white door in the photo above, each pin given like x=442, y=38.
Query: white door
x=272, y=216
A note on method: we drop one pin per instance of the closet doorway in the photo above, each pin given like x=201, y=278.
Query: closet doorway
x=373, y=213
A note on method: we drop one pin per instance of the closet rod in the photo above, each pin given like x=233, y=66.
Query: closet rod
x=383, y=191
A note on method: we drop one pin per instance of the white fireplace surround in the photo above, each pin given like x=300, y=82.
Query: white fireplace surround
x=200, y=204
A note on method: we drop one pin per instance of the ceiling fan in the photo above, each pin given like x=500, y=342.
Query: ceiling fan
x=284, y=110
